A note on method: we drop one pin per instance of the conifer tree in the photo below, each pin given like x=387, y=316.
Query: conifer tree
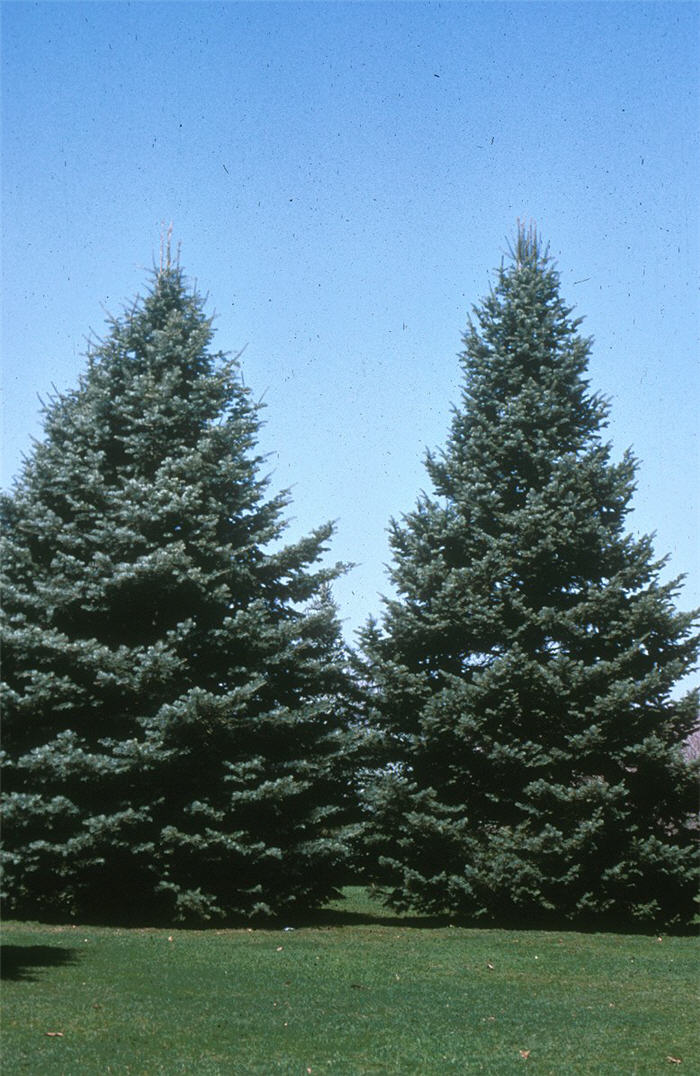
x=176, y=717
x=524, y=672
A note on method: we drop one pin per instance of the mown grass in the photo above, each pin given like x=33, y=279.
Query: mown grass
x=359, y=992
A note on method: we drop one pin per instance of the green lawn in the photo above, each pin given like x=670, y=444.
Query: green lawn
x=364, y=992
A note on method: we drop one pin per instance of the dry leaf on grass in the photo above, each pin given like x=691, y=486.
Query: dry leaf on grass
x=55, y=1034
x=674, y=1060
x=524, y=1053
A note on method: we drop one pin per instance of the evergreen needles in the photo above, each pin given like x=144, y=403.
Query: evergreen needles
x=533, y=765
x=181, y=724
x=176, y=736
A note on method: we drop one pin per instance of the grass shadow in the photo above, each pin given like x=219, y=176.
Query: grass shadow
x=354, y=906
x=335, y=917
x=18, y=961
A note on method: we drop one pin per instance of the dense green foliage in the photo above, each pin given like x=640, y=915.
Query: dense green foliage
x=523, y=674
x=175, y=706
x=357, y=994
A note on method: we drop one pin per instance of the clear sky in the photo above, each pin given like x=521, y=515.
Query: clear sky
x=343, y=178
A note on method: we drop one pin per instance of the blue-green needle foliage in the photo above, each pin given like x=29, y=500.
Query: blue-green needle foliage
x=176, y=740
x=523, y=674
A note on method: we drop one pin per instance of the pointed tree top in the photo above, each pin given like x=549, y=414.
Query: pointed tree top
x=167, y=262
x=528, y=249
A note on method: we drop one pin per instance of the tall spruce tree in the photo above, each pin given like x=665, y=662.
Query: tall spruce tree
x=523, y=674
x=176, y=716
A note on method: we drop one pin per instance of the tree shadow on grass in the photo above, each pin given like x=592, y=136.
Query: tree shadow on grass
x=294, y=918
x=330, y=918
x=386, y=916
x=18, y=961
x=336, y=917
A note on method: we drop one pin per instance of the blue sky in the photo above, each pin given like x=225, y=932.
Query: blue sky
x=343, y=179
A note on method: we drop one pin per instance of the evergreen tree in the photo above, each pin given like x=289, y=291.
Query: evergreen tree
x=523, y=674
x=176, y=718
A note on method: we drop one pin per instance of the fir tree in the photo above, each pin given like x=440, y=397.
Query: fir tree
x=176, y=719
x=523, y=673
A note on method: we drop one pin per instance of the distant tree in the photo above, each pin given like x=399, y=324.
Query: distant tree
x=523, y=674
x=691, y=747
x=176, y=719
